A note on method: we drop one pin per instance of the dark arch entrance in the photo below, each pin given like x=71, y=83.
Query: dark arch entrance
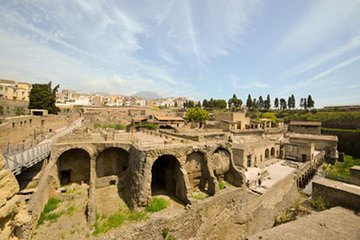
x=272, y=152
x=74, y=166
x=167, y=178
x=196, y=170
x=112, y=161
x=267, y=154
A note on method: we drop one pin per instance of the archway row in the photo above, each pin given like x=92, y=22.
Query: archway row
x=74, y=164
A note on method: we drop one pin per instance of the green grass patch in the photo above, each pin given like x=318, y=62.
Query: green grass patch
x=48, y=214
x=340, y=170
x=71, y=210
x=156, y=205
x=198, y=195
x=105, y=223
x=224, y=184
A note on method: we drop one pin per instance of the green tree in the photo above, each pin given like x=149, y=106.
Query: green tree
x=276, y=103
x=289, y=103
x=267, y=103
x=261, y=102
x=293, y=102
x=235, y=103
x=255, y=104
x=196, y=115
x=271, y=116
x=219, y=104
x=249, y=102
x=19, y=111
x=310, y=102
x=189, y=104
x=42, y=96
x=205, y=103
x=283, y=104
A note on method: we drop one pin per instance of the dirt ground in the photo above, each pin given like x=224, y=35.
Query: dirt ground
x=71, y=224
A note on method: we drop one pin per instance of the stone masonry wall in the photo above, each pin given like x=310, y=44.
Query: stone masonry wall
x=27, y=129
x=13, y=214
x=232, y=214
x=355, y=175
x=336, y=193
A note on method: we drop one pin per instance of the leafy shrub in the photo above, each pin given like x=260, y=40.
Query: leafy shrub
x=340, y=170
x=318, y=204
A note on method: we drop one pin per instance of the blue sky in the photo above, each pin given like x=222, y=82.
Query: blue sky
x=198, y=49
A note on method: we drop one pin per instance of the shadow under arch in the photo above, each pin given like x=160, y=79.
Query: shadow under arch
x=168, y=178
x=272, y=152
x=74, y=166
x=112, y=161
x=267, y=153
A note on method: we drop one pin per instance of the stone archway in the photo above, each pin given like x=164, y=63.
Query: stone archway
x=167, y=177
x=272, y=152
x=74, y=166
x=112, y=161
x=267, y=154
x=221, y=162
x=196, y=170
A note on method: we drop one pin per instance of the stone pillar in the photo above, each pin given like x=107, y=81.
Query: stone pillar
x=92, y=196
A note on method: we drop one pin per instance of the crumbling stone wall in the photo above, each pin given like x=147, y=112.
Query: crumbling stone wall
x=336, y=193
x=355, y=175
x=28, y=129
x=233, y=214
x=195, y=168
x=13, y=213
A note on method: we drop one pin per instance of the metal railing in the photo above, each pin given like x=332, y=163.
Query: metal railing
x=17, y=161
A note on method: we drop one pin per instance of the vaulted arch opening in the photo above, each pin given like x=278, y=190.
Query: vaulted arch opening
x=267, y=154
x=167, y=177
x=112, y=161
x=74, y=166
x=272, y=152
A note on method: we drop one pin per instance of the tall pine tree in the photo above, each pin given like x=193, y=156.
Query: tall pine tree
x=249, y=102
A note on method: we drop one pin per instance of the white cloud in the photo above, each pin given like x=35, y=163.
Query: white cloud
x=81, y=45
x=321, y=79
x=321, y=58
x=237, y=83
x=320, y=23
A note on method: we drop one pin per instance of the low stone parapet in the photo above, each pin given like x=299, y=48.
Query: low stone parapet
x=355, y=175
x=336, y=193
